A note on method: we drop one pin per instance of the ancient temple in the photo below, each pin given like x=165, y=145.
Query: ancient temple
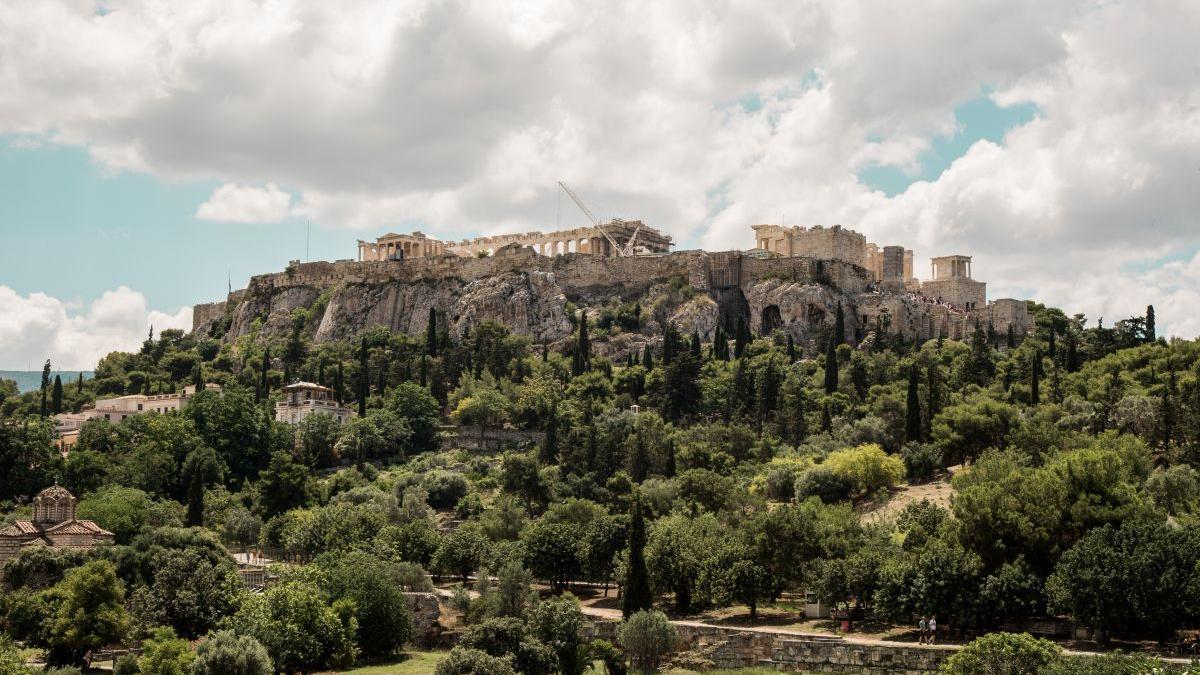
x=54, y=524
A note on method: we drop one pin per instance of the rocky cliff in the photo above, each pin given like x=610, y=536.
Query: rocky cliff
x=532, y=294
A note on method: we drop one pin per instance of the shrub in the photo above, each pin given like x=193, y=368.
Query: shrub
x=647, y=636
x=1002, y=654
x=445, y=488
x=465, y=661
x=227, y=653
x=825, y=484
x=921, y=461
x=867, y=467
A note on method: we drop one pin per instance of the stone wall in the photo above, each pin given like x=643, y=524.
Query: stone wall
x=425, y=612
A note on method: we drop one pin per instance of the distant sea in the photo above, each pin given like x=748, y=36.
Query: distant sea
x=30, y=380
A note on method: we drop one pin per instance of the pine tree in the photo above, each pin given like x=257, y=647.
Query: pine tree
x=1035, y=376
x=364, y=379
x=912, y=418
x=980, y=368
x=431, y=341
x=831, y=366
x=1151, y=335
x=56, y=399
x=637, y=595
x=548, y=450
x=839, y=325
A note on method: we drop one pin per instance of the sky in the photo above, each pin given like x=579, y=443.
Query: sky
x=153, y=153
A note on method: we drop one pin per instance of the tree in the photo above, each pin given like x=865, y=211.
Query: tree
x=264, y=385
x=56, y=399
x=124, y=511
x=200, y=469
x=548, y=448
x=554, y=552
x=485, y=408
x=1003, y=654
x=190, y=592
x=45, y=387
x=1149, y=325
x=91, y=614
x=384, y=623
x=299, y=630
x=867, y=467
x=461, y=552
x=741, y=338
x=283, y=485
x=637, y=595
x=582, y=356
x=682, y=386
x=647, y=637
x=364, y=377
x=557, y=623
x=509, y=637
x=431, y=334
x=979, y=367
x=227, y=653
x=912, y=418
x=1035, y=374
x=831, y=366
x=165, y=653
x=839, y=325
x=419, y=408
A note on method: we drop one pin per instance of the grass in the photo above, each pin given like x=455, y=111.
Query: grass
x=414, y=663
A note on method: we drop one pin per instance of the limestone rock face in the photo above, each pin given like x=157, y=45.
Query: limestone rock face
x=529, y=303
x=799, y=308
x=697, y=315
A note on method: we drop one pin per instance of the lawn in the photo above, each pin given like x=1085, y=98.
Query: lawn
x=414, y=663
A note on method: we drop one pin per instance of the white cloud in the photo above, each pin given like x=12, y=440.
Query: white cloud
x=37, y=327
x=700, y=117
x=246, y=204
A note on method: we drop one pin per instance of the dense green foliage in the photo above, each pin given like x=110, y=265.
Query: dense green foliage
x=691, y=475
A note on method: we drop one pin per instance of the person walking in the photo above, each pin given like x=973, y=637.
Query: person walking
x=932, y=629
x=922, y=628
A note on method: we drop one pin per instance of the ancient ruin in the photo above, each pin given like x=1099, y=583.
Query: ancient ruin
x=793, y=282
x=639, y=238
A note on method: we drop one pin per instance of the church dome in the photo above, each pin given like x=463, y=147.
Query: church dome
x=53, y=505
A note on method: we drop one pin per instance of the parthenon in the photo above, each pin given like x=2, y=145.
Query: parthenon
x=641, y=238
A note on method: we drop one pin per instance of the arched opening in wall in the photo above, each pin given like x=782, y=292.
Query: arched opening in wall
x=771, y=319
x=731, y=304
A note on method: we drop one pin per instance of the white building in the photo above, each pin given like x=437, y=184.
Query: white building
x=302, y=399
x=116, y=409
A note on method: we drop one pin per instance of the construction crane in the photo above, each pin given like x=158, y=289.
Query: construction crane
x=623, y=251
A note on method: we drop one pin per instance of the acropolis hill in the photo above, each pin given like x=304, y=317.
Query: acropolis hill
x=793, y=280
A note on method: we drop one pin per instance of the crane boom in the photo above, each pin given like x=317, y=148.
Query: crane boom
x=588, y=212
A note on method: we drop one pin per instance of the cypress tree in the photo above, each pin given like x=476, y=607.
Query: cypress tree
x=637, y=460
x=195, y=507
x=696, y=347
x=826, y=418
x=647, y=357
x=740, y=338
x=1072, y=358
x=287, y=372
x=1150, y=329
x=431, y=334
x=793, y=423
x=839, y=324
x=545, y=353
x=1035, y=376
x=339, y=384
x=637, y=596
x=791, y=349
x=56, y=399
x=1010, y=339
x=933, y=394
x=669, y=463
x=581, y=359
x=1167, y=410
x=79, y=386
x=321, y=372
x=45, y=388
x=384, y=372
x=264, y=387
x=424, y=370
x=364, y=379
x=548, y=450
x=1051, y=346
x=912, y=418
x=831, y=366
x=198, y=382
